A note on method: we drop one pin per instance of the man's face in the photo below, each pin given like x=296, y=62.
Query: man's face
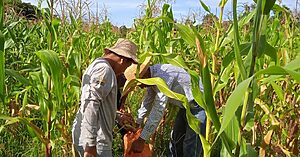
x=124, y=64
x=127, y=62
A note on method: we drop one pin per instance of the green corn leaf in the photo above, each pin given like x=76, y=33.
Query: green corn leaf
x=205, y=7
x=245, y=47
x=228, y=59
x=270, y=51
x=162, y=86
x=222, y=79
x=197, y=94
x=205, y=145
x=208, y=97
x=167, y=19
x=293, y=65
x=51, y=30
x=272, y=70
x=232, y=131
x=17, y=76
x=247, y=150
x=2, y=64
x=39, y=132
x=42, y=91
x=9, y=44
x=73, y=81
x=193, y=122
x=268, y=6
x=222, y=3
x=2, y=52
x=25, y=100
x=278, y=91
x=261, y=45
x=277, y=70
x=31, y=131
x=295, y=75
x=237, y=43
x=9, y=121
x=56, y=24
x=187, y=34
x=247, y=18
x=251, y=152
x=1, y=15
x=26, y=121
x=211, y=109
x=11, y=33
x=177, y=61
x=165, y=8
x=55, y=69
x=278, y=8
x=233, y=102
x=230, y=33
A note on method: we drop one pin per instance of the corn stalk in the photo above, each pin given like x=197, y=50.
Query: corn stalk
x=2, y=53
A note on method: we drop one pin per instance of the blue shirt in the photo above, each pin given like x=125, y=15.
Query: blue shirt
x=177, y=80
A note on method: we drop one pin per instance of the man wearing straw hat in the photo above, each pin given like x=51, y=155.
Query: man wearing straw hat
x=184, y=141
x=93, y=125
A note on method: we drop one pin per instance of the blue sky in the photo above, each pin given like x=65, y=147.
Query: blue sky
x=122, y=12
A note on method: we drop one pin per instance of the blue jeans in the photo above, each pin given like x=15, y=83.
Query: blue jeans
x=184, y=141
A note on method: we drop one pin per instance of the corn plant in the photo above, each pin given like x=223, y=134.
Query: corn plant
x=252, y=62
x=46, y=66
x=2, y=53
x=249, y=70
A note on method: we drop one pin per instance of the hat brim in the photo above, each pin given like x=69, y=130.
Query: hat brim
x=122, y=53
x=130, y=74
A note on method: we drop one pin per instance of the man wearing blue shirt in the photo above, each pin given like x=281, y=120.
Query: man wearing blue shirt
x=184, y=141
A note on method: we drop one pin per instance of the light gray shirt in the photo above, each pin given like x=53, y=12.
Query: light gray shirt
x=177, y=80
x=95, y=119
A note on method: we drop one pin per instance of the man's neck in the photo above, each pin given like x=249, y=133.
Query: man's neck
x=112, y=63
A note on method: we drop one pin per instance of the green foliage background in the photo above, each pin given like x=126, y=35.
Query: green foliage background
x=249, y=68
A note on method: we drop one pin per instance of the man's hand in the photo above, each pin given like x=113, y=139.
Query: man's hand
x=137, y=146
x=90, y=151
x=126, y=120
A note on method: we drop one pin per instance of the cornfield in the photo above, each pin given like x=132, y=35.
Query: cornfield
x=249, y=68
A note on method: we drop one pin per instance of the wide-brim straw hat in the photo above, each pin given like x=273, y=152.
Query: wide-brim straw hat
x=125, y=48
x=131, y=71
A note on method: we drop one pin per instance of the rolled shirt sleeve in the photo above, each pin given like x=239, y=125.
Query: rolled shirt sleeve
x=155, y=116
x=89, y=125
x=157, y=111
x=146, y=105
